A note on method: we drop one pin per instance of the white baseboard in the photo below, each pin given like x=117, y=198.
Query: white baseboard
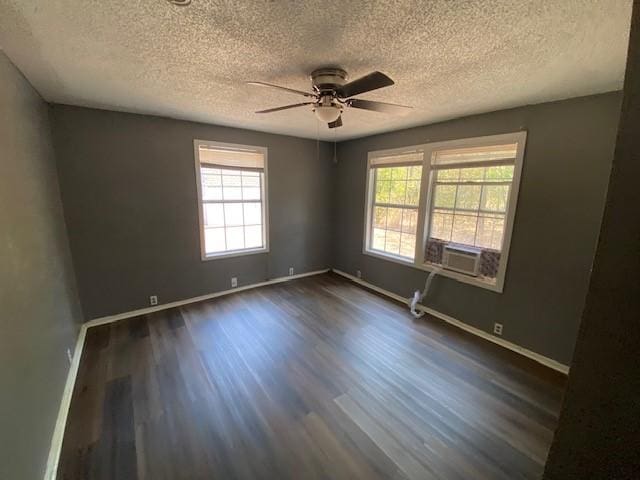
x=63, y=412
x=548, y=362
x=143, y=311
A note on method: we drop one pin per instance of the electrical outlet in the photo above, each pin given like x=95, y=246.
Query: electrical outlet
x=290, y=271
x=358, y=274
x=234, y=282
x=69, y=355
x=497, y=328
x=153, y=300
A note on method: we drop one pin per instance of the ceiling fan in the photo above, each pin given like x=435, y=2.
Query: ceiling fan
x=331, y=95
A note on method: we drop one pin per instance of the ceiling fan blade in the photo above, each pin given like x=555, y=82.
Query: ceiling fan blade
x=290, y=90
x=382, y=107
x=337, y=123
x=286, y=107
x=370, y=82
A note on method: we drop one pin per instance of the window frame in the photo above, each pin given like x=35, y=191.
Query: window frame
x=264, y=194
x=426, y=198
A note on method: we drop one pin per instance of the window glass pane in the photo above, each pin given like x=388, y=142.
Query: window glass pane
x=409, y=221
x=250, y=181
x=210, y=178
x=464, y=229
x=392, y=242
x=235, y=238
x=251, y=193
x=399, y=173
x=468, y=197
x=450, y=175
x=394, y=219
x=378, y=239
x=397, y=192
x=380, y=217
x=211, y=184
x=472, y=174
x=500, y=173
x=441, y=225
x=408, y=245
x=231, y=180
x=252, y=213
x=214, y=240
x=251, y=173
x=490, y=231
x=383, y=173
x=213, y=215
x=253, y=236
x=382, y=191
x=415, y=172
x=232, y=193
x=233, y=214
x=494, y=198
x=445, y=196
x=413, y=193
x=212, y=193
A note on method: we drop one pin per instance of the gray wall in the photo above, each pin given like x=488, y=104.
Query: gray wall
x=128, y=186
x=599, y=429
x=567, y=162
x=38, y=302
x=129, y=192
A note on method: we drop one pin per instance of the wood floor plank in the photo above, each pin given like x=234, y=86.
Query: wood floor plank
x=115, y=453
x=405, y=461
x=315, y=378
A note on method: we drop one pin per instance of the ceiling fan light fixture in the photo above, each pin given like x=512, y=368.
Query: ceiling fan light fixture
x=327, y=113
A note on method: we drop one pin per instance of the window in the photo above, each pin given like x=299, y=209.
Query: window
x=470, y=205
x=470, y=194
x=422, y=198
x=232, y=198
x=396, y=191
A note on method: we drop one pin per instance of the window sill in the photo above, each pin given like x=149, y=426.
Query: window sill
x=460, y=277
x=235, y=253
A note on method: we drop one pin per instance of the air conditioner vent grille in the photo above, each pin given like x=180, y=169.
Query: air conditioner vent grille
x=461, y=259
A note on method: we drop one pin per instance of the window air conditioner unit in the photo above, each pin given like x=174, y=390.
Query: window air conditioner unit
x=460, y=258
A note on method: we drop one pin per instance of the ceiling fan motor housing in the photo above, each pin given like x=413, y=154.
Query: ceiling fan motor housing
x=328, y=79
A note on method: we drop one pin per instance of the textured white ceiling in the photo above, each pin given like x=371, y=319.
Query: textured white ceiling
x=449, y=58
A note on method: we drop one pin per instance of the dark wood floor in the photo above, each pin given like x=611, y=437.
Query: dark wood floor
x=315, y=378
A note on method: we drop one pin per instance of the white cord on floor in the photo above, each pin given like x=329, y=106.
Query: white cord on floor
x=418, y=297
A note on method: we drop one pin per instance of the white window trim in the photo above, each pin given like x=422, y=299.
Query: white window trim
x=265, y=200
x=422, y=231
